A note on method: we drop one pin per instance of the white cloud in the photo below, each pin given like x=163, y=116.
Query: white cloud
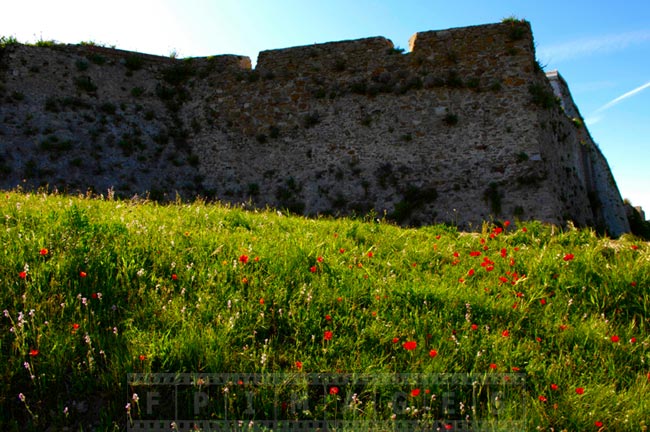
x=588, y=46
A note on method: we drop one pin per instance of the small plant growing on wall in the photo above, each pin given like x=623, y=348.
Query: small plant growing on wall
x=178, y=73
x=311, y=119
x=85, y=83
x=542, y=96
x=522, y=157
x=81, y=65
x=577, y=122
x=137, y=91
x=274, y=132
x=134, y=62
x=96, y=59
x=516, y=28
x=450, y=119
x=493, y=197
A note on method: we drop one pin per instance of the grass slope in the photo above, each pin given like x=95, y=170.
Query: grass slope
x=95, y=289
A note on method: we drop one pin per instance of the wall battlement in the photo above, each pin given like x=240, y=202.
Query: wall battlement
x=463, y=128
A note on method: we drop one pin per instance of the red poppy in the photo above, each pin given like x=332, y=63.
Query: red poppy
x=580, y=390
x=554, y=386
x=598, y=424
x=504, y=252
x=456, y=255
x=312, y=269
x=493, y=366
x=474, y=326
x=44, y=251
x=633, y=340
x=449, y=426
x=633, y=284
x=174, y=276
x=542, y=301
x=538, y=339
x=410, y=345
x=470, y=272
x=370, y=254
x=94, y=295
x=563, y=327
x=83, y=274
x=341, y=250
x=415, y=392
x=319, y=259
x=327, y=335
x=22, y=275
x=506, y=224
x=75, y=326
x=328, y=317
x=244, y=280
x=298, y=365
x=475, y=253
x=433, y=353
x=395, y=339
x=33, y=352
x=142, y=357
x=261, y=301
x=568, y=257
x=542, y=398
x=615, y=339
x=243, y=259
x=334, y=390
x=505, y=333
x=634, y=247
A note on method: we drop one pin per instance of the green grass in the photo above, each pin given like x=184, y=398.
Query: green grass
x=93, y=290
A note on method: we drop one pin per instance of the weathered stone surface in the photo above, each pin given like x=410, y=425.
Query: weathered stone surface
x=462, y=129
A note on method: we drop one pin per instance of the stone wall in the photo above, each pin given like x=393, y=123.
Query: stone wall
x=463, y=128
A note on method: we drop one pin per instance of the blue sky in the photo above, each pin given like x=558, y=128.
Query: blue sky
x=601, y=47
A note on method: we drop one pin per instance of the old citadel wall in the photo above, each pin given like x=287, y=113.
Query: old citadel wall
x=463, y=128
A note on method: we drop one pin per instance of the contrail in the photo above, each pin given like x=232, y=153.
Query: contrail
x=622, y=97
x=597, y=116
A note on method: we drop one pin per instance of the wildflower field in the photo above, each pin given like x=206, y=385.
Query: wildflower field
x=550, y=325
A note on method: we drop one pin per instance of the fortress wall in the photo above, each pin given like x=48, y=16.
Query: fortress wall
x=327, y=58
x=591, y=166
x=453, y=131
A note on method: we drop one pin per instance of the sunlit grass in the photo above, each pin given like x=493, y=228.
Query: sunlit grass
x=95, y=289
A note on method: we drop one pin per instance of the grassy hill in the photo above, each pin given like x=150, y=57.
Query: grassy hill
x=550, y=325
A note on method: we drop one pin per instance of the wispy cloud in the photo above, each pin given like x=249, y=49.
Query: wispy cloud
x=598, y=114
x=588, y=46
